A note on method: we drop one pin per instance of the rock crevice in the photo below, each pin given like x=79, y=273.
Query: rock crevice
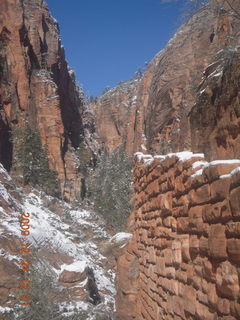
x=38, y=88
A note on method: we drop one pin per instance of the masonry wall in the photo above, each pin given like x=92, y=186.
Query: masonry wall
x=184, y=258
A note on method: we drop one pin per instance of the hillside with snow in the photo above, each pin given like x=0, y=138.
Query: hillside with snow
x=67, y=242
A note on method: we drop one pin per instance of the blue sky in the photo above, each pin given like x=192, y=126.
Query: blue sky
x=107, y=40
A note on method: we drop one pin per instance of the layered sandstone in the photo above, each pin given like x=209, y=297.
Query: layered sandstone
x=116, y=114
x=158, y=121
x=215, y=118
x=37, y=87
x=184, y=257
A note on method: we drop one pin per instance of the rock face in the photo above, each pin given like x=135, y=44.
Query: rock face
x=158, y=121
x=37, y=87
x=215, y=119
x=116, y=115
x=184, y=257
x=80, y=281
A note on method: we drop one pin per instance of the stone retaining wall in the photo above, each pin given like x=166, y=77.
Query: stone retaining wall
x=183, y=261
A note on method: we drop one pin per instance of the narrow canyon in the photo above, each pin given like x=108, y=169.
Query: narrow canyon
x=178, y=255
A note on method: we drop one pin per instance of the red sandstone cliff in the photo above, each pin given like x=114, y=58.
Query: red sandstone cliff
x=158, y=118
x=215, y=118
x=116, y=113
x=183, y=259
x=37, y=87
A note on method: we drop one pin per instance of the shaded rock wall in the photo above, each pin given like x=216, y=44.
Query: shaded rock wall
x=183, y=260
x=37, y=87
x=116, y=115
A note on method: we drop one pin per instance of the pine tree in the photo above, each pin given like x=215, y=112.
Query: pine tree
x=31, y=159
x=111, y=187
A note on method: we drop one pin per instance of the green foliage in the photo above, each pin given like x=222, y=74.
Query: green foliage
x=111, y=187
x=92, y=99
x=45, y=296
x=31, y=159
x=85, y=158
x=165, y=147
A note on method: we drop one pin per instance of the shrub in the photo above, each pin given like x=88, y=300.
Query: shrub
x=45, y=295
x=31, y=158
x=165, y=147
x=85, y=157
x=111, y=187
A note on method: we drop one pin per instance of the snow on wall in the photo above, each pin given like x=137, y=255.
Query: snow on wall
x=184, y=255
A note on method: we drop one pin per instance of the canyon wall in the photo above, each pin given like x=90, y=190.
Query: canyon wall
x=116, y=112
x=215, y=118
x=158, y=120
x=183, y=260
x=38, y=88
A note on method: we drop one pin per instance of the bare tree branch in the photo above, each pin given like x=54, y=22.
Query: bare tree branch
x=233, y=9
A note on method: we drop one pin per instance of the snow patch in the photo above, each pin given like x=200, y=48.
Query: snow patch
x=78, y=266
x=232, y=173
x=134, y=98
x=121, y=238
x=5, y=310
x=198, y=164
x=202, y=91
x=3, y=171
x=8, y=256
x=160, y=157
x=217, y=162
x=182, y=156
x=197, y=173
x=4, y=193
x=147, y=158
x=185, y=155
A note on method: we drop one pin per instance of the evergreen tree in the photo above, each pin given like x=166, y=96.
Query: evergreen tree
x=32, y=160
x=45, y=295
x=111, y=187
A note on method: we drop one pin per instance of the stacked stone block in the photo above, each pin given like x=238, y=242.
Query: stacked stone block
x=184, y=258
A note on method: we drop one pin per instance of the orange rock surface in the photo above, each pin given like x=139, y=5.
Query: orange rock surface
x=151, y=115
x=184, y=257
x=37, y=87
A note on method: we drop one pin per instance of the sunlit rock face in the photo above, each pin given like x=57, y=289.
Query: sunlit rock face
x=183, y=259
x=215, y=118
x=37, y=87
x=152, y=114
